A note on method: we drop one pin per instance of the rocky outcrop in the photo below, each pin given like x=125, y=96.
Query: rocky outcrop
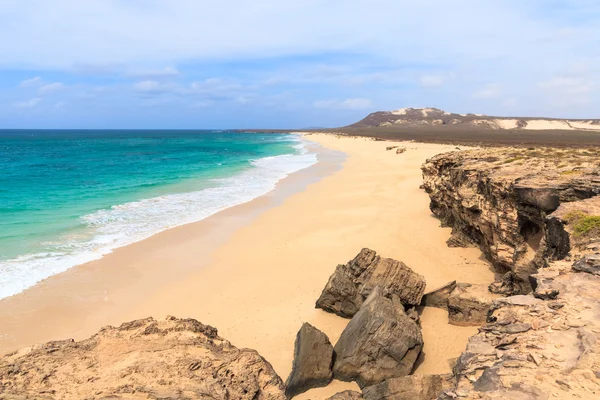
x=506, y=200
x=589, y=263
x=313, y=361
x=353, y=282
x=414, y=387
x=538, y=349
x=346, y=395
x=467, y=304
x=144, y=359
x=379, y=343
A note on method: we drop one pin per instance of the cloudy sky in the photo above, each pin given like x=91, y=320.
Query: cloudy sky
x=303, y=63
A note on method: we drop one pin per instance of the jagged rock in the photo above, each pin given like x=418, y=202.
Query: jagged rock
x=439, y=297
x=509, y=202
x=589, y=263
x=468, y=304
x=459, y=239
x=352, y=283
x=391, y=147
x=313, y=361
x=401, y=150
x=346, y=395
x=379, y=343
x=168, y=359
x=413, y=387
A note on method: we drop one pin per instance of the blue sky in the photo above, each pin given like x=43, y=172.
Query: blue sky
x=274, y=64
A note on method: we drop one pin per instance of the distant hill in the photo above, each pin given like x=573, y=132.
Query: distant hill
x=413, y=117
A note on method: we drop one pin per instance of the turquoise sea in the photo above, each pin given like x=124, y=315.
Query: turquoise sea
x=68, y=197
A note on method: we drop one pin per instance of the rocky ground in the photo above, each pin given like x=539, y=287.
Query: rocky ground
x=534, y=213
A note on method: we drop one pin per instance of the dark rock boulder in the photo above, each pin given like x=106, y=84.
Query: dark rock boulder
x=313, y=361
x=352, y=283
x=413, y=387
x=379, y=343
x=346, y=395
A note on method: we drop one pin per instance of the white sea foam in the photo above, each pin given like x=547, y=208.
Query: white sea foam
x=128, y=223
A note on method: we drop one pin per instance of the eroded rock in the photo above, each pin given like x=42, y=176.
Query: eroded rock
x=413, y=387
x=353, y=282
x=168, y=359
x=379, y=343
x=589, y=263
x=346, y=395
x=508, y=201
x=468, y=304
x=313, y=361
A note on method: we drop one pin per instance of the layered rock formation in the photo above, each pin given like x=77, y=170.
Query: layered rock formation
x=313, y=361
x=144, y=359
x=507, y=202
x=353, y=282
x=532, y=215
x=379, y=343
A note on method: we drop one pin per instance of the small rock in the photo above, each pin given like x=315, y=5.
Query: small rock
x=346, y=395
x=313, y=361
x=589, y=263
x=413, y=387
x=439, y=297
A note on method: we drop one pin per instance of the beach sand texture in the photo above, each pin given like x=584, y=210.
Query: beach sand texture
x=256, y=270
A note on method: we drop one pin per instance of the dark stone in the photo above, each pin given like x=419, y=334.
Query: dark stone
x=558, y=244
x=313, y=361
x=379, y=343
x=352, y=283
x=546, y=199
x=589, y=263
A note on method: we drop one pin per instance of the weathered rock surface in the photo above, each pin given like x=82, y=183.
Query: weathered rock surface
x=589, y=263
x=413, y=387
x=144, y=359
x=352, y=283
x=467, y=304
x=536, y=349
x=313, y=361
x=503, y=199
x=379, y=343
x=439, y=297
x=346, y=395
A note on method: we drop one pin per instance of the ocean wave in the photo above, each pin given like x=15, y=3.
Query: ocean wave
x=128, y=223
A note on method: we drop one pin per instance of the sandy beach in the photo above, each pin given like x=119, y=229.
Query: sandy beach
x=254, y=271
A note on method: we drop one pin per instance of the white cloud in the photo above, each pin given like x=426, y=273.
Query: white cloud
x=491, y=91
x=431, y=80
x=29, y=103
x=33, y=82
x=569, y=85
x=348, y=104
x=51, y=87
x=166, y=72
x=154, y=87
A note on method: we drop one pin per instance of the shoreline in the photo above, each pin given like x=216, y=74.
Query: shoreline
x=214, y=230
x=255, y=272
